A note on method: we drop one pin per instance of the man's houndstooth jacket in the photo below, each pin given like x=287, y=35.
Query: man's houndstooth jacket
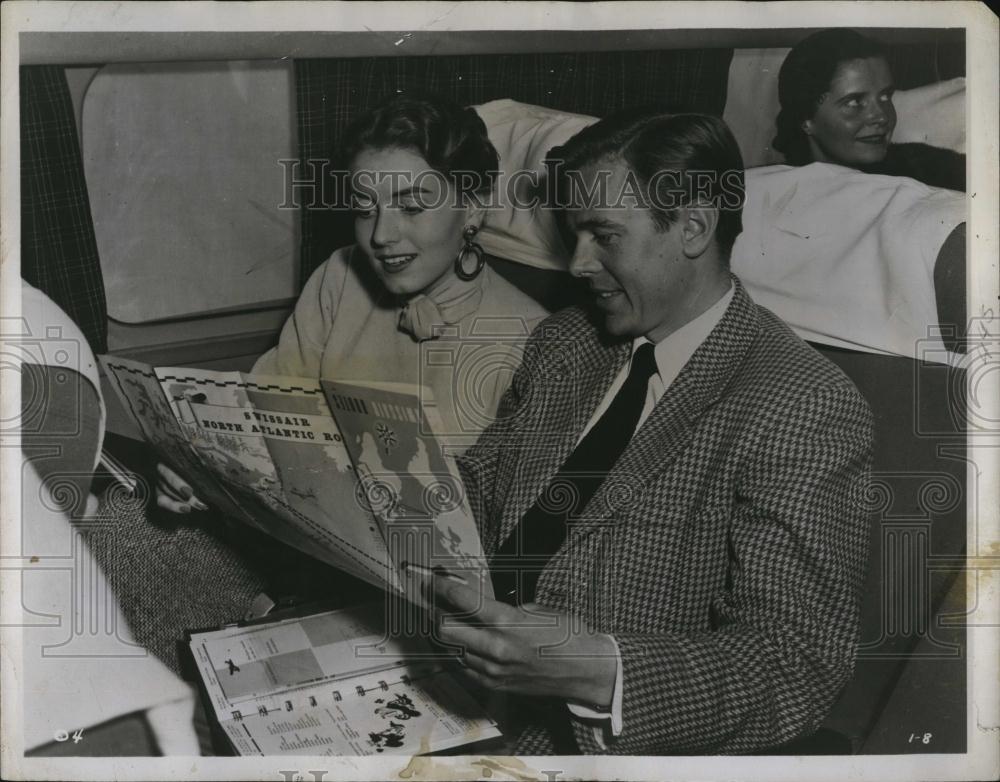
x=726, y=550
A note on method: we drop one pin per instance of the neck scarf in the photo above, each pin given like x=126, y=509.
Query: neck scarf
x=446, y=303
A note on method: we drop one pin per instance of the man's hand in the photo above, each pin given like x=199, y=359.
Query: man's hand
x=530, y=650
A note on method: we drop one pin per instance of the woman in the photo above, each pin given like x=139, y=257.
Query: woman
x=419, y=173
x=835, y=89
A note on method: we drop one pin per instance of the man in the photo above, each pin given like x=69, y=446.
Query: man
x=673, y=495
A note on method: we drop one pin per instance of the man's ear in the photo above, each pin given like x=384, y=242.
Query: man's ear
x=698, y=224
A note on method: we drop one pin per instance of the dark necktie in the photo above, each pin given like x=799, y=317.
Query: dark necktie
x=542, y=530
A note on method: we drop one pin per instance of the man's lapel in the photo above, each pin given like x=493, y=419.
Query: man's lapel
x=569, y=396
x=668, y=429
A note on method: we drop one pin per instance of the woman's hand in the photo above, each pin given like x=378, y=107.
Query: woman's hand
x=173, y=493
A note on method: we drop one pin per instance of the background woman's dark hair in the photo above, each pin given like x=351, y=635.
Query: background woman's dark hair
x=805, y=77
x=451, y=138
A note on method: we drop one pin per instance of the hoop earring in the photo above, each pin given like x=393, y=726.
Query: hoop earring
x=470, y=246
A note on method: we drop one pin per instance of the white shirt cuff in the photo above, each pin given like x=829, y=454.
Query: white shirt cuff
x=608, y=718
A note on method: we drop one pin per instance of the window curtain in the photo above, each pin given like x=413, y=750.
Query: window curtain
x=58, y=248
x=332, y=91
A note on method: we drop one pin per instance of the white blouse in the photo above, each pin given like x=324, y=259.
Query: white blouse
x=346, y=326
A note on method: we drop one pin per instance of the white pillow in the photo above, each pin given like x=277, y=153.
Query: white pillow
x=752, y=103
x=523, y=134
x=933, y=114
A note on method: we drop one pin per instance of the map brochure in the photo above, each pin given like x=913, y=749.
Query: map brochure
x=348, y=473
x=333, y=684
x=414, y=491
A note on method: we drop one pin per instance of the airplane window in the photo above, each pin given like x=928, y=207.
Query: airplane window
x=186, y=187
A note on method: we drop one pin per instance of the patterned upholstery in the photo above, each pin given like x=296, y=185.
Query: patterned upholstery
x=727, y=548
x=170, y=575
x=58, y=248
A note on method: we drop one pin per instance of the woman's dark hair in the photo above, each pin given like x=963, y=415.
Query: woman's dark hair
x=678, y=160
x=451, y=138
x=805, y=77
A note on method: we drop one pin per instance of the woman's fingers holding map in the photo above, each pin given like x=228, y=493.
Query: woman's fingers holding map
x=173, y=493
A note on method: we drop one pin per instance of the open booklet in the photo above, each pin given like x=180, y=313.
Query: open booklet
x=333, y=684
x=350, y=474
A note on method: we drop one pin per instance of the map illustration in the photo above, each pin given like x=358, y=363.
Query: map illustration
x=414, y=491
x=353, y=483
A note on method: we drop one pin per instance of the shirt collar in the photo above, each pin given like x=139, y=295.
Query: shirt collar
x=675, y=350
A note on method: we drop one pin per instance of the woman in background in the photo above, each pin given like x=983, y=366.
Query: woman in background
x=835, y=89
x=415, y=167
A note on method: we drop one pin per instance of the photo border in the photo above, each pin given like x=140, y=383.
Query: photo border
x=981, y=759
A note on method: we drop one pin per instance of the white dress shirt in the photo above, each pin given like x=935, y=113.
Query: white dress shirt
x=670, y=354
